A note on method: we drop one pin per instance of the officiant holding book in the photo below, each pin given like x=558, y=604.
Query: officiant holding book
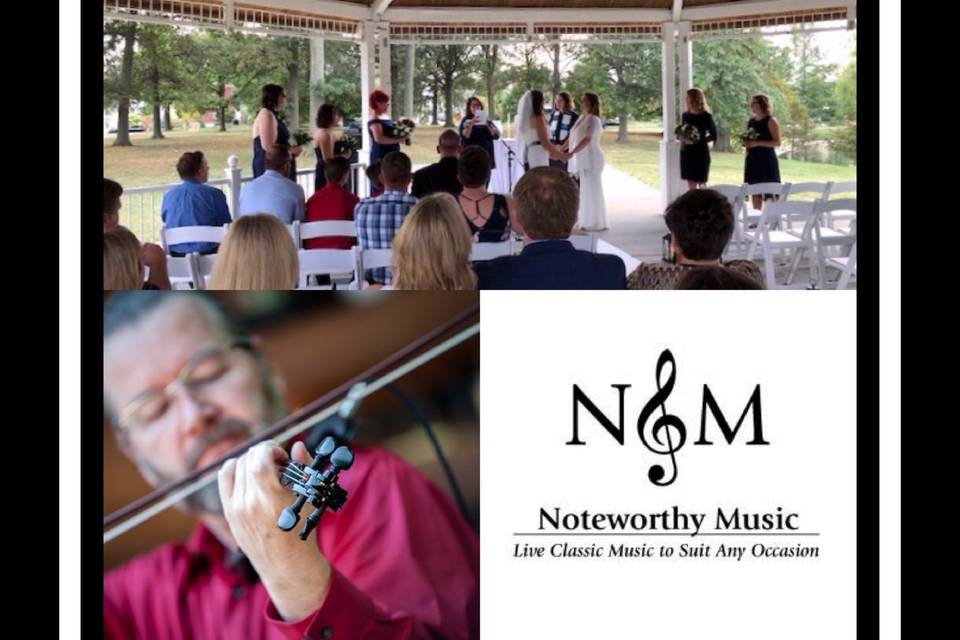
x=477, y=130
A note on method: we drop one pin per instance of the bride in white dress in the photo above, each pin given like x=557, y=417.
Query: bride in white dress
x=586, y=160
x=535, y=146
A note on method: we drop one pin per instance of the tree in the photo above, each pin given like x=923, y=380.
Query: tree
x=453, y=64
x=524, y=72
x=491, y=59
x=159, y=69
x=118, y=75
x=625, y=76
x=341, y=72
x=730, y=72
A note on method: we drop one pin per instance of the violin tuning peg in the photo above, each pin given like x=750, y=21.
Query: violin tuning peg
x=327, y=446
x=342, y=458
x=288, y=519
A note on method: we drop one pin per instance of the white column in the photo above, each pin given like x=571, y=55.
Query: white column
x=685, y=51
x=386, y=82
x=411, y=70
x=233, y=175
x=367, y=55
x=669, y=147
x=317, y=74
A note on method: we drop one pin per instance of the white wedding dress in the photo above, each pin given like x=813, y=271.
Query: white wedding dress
x=588, y=164
x=531, y=153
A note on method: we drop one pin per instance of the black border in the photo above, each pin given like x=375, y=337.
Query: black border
x=867, y=324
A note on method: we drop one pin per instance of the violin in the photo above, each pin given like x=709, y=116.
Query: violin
x=316, y=483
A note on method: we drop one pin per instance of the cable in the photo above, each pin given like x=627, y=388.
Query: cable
x=422, y=419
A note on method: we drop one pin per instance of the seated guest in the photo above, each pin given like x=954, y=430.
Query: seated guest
x=398, y=561
x=700, y=223
x=431, y=252
x=193, y=203
x=111, y=204
x=273, y=192
x=257, y=254
x=715, y=277
x=547, y=202
x=373, y=176
x=124, y=260
x=332, y=202
x=379, y=218
x=491, y=216
x=442, y=175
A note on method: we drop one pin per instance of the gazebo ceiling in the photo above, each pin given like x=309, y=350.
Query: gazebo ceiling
x=485, y=20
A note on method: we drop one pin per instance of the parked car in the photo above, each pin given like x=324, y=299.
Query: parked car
x=134, y=128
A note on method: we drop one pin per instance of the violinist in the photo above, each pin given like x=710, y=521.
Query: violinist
x=181, y=388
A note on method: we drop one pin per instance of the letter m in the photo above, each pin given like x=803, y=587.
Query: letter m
x=728, y=434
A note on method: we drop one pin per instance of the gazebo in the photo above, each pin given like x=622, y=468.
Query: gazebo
x=378, y=26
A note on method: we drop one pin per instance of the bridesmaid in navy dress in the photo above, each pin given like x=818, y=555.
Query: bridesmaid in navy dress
x=382, y=138
x=695, y=156
x=761, y=164
x=324, y=143
x=269, y=130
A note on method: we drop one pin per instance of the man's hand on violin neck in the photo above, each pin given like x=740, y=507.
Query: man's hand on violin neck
x=294, y=572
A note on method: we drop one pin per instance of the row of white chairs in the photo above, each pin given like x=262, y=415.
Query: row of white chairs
x=344, y=267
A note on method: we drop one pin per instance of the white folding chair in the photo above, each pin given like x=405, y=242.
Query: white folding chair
x=328, y=262
x=828, y=238
x=771, y=238
x=847, y=266
x=489, y=250
x=204, y=267
x=324, y=229
x=181, y=235
x=182, y=271
x=793, y=189
x=735, y=194
x=374, y=259
x=584, y=241
x=841, y=188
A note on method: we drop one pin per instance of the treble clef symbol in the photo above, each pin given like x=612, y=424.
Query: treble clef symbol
x=664, y=422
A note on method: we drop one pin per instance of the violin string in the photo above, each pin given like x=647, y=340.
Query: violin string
x=175, y=497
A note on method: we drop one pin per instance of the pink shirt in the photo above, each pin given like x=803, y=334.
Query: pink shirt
x=405, y=565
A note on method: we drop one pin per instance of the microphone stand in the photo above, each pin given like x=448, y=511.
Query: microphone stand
x=511, y=157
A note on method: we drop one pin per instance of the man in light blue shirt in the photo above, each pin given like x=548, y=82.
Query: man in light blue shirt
x=273, y=192
x=193, y=203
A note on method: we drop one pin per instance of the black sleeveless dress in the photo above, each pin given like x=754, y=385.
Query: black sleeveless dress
x=377, y=150
x=319, y=178
x=260, y=154
x=695, y=157
x=496, y=228
x=480, y=136
x=761, y=164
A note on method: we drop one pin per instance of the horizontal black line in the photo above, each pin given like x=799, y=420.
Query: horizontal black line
x=689, y=535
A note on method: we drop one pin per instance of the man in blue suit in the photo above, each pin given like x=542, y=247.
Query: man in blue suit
x=547, y=200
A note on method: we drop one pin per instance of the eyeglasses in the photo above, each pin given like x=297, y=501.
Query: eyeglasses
x=210, y=369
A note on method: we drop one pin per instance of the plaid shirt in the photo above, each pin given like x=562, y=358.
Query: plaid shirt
x=560, y=124
x=378, y=220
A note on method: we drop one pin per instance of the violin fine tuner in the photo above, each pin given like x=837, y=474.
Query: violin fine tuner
x=316, y=484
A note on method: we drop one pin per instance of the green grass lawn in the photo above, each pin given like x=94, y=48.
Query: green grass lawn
x=154, y=162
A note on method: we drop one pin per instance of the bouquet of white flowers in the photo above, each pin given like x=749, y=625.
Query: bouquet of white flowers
x=687, y=132
x=404, y=129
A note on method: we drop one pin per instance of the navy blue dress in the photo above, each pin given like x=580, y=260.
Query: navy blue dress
x=319, y=178
x=480, y=136
x=377, y=150
x=259, y=154
x=695, y=157
x=761, y=164
x=495, y=228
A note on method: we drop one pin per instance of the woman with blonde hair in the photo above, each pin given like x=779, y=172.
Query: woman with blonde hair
x=694, y=153
x=122, y=268
x=256, y=254
x=432, y=249
x=124, y=259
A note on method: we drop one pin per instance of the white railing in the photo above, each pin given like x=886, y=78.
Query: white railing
x=142, y=205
